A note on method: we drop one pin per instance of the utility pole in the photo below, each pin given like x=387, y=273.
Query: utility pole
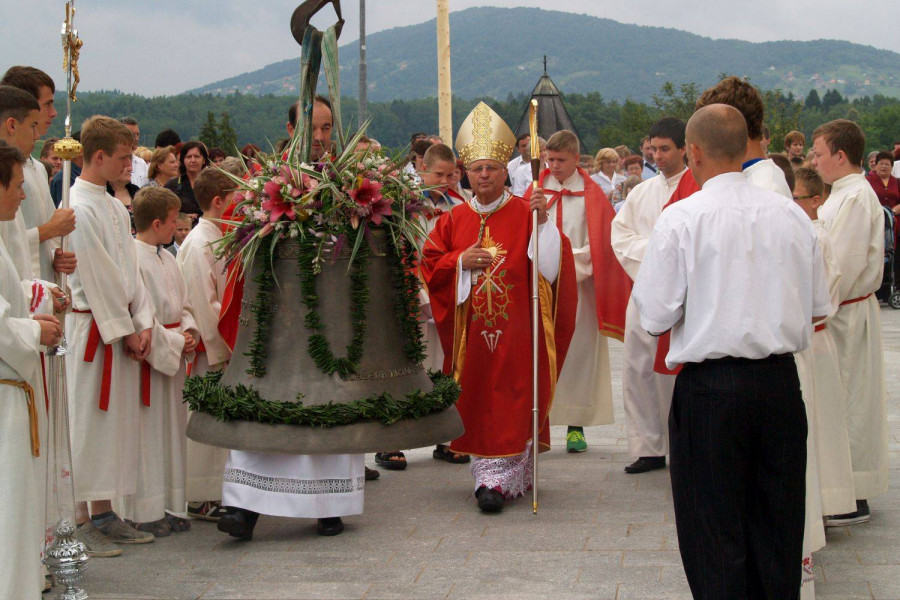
x=363, y=85
x=445, y=95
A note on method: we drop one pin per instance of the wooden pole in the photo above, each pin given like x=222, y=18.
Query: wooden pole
x=445, y=107
x=363, y=84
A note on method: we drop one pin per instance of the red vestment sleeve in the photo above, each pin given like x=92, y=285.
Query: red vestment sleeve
x=438, y=270
x=234, y=289
x=686, y=187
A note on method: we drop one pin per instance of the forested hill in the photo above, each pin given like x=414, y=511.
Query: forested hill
x=498, y=51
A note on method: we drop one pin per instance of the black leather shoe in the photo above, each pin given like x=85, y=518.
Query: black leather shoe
x=239, y=523
x=330, y=526
x=646, y=463
x=372, y=474
x=489, y=501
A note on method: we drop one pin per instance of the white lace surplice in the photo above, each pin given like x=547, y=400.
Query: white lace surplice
x=512, y=475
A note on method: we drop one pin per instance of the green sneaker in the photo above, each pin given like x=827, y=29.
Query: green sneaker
x=575, y=441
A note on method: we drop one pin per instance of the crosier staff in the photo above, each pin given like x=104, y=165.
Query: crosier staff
x=65, y=556
x=535, y=304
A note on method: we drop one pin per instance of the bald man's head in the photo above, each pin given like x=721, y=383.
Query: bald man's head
x=720, y=131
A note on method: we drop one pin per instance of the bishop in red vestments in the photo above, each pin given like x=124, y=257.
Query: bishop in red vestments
x=476, y=265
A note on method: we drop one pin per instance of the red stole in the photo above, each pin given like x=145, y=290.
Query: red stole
x=612, y=285
x=686, y=187
x=487, y=339
x=234, y=290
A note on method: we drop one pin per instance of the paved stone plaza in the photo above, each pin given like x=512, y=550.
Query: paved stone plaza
x=600, y=534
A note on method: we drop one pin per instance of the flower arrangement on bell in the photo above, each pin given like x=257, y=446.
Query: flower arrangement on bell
x=337, y=201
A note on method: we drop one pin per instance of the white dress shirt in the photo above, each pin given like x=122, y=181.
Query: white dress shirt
x=737, y=271
x=520, y=178
x=139, y=171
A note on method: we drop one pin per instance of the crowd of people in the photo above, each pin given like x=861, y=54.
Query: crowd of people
x=752, y=342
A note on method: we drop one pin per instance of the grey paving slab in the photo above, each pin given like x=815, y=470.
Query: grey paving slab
x=600, y=535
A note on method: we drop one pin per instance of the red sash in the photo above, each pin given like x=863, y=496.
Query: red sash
x=612, y=286
x=145, y=372
x=90, y=351
x=820, y=327
x=686, y=187
x=855, y=300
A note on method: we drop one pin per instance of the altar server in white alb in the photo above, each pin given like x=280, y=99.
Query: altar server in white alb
x=19, y=117
x=21, y=406
x=855, y=223
x=45, y=224
x=160, y=500
x=738, y=425
x=206, y=278
x=647, y=394
x=759, y=170
x=576, y=205
x=109, y=334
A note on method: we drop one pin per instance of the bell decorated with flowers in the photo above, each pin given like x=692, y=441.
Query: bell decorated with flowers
x=300, y=397
x=328, y=354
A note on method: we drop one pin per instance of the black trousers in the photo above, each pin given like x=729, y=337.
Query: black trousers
x=737, y=436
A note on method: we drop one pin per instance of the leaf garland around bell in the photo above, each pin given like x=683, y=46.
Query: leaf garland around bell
x=318, y=346
x=204, y=393
x=263, y=312
x=406, y=285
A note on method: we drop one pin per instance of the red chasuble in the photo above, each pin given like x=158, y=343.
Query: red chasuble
x=487, y=339
x=612, y=285
x=686, y=186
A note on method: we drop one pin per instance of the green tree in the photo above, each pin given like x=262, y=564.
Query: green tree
x=678, y=103
x=831, y=98
x=228, y=140
x=813, y=102
x=209, y=133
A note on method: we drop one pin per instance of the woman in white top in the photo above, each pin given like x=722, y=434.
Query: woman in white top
x=605, y=176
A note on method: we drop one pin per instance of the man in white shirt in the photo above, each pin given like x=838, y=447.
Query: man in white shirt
x=519, y=168
x=855, y=223
x=649, y=168
x=738, y=428
x=139, y=167
x=647, y=394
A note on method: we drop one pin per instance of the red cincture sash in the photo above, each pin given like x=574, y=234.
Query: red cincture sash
x=146, y=370
x=820, y=327
x=855, y=300
x=90, y=351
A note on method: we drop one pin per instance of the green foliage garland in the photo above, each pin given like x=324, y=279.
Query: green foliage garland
x=242, y=403
x=318, y=346
x=406, y=284
x=263, y=312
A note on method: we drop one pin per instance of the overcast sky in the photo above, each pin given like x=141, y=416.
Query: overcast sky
x=156, y=47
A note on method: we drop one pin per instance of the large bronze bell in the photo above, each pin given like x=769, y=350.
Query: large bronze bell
x=290, y=369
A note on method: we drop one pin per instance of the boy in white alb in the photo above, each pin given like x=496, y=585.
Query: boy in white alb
x=21, y=402
x=44, y=223
x=160, y=497
x=109, y=334
x=207, y=278
x=855, y=223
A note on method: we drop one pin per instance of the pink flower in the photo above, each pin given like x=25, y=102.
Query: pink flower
x=368, y=196
x=275, y=204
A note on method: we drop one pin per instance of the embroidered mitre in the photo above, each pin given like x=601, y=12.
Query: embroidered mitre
x=484, y=135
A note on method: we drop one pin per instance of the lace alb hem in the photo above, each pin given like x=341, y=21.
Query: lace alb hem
x=285, y=485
